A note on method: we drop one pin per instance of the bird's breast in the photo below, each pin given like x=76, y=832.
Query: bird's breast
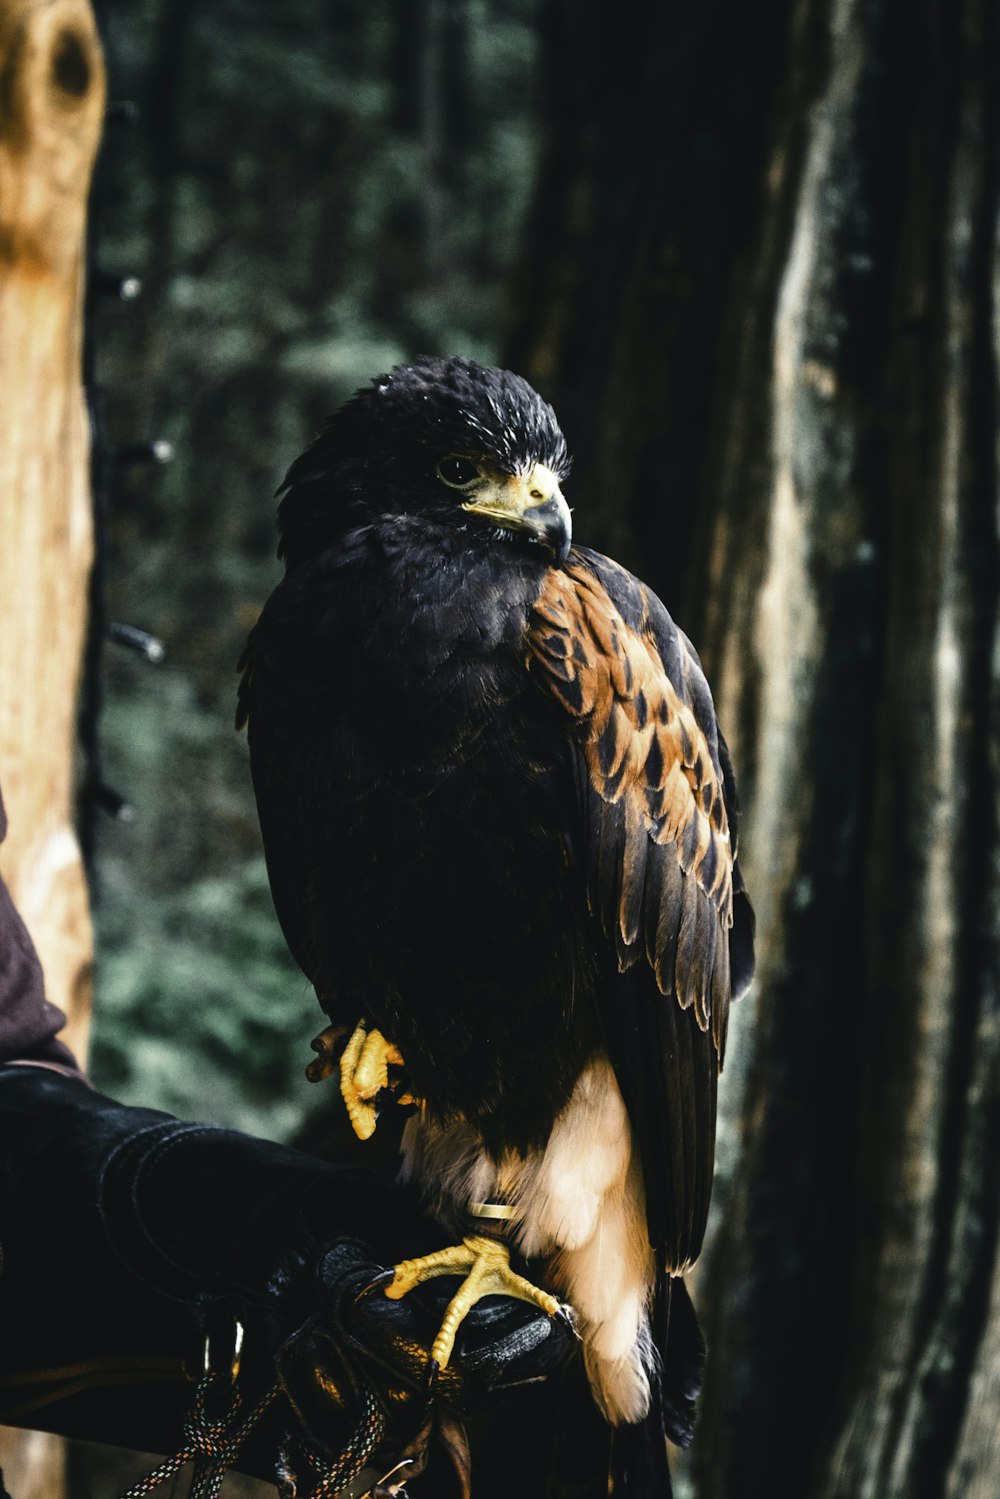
x=432, y=798
x=437, y=659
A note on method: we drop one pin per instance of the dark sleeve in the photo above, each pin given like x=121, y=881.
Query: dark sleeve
x=28, y=1022
x=127, y=1235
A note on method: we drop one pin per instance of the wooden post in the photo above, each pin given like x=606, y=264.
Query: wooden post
x=51, y=108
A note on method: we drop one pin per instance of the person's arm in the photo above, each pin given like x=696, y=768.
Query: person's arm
x=28, y=1022
x=127, y=1235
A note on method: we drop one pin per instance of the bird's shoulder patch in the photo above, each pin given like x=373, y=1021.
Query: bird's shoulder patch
x=661, y=874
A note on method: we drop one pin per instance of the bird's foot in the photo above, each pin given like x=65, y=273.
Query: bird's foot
x=485, y=1264
x=364, y=1072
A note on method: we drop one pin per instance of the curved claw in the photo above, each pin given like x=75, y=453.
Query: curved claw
x=383, y=1278
x=327, y=1048
x=566, y=1317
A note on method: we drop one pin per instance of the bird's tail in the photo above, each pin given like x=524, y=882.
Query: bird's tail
x=639, y=1468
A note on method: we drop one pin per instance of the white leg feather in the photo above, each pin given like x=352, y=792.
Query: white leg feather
x=580, y=1204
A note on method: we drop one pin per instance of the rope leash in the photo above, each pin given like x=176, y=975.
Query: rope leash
x=327, y=1480
x=213, y=1443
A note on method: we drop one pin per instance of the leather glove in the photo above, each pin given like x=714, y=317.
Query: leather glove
x=126, y=1233
x=362, y=1350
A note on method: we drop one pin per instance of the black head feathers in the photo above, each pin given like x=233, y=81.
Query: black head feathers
x=379, y=451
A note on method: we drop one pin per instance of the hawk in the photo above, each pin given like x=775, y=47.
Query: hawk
x=500, y=827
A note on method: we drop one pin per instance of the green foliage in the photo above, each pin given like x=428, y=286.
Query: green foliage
x=200, y=1008
x=202, y=1014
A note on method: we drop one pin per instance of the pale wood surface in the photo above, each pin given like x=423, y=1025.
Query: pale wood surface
x=51, y=108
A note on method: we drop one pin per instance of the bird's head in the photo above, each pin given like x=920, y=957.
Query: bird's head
x=447, y=438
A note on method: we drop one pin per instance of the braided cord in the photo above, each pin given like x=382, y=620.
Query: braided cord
x=367, y=1435
x=327, y=1480
x=213, y=1445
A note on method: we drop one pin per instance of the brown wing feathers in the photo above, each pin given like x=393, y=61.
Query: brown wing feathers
x=663, y=881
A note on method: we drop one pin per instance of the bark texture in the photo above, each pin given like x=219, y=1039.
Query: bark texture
x=762, y=296
x=51, y=107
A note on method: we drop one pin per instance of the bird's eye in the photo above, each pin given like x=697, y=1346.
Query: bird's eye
x=458, y=473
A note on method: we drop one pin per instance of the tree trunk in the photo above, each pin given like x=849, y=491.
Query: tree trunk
x=761, y=296
x=51, y=107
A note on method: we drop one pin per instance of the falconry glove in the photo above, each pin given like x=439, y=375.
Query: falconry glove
x=360, y=1345
x=127, y=1234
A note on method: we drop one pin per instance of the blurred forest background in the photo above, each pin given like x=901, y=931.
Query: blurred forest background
x=749, y=252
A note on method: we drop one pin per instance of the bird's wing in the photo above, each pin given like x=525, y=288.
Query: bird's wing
x=658, y=804
x=287, y=821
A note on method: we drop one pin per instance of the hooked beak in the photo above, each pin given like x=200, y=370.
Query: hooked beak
x=530, y=503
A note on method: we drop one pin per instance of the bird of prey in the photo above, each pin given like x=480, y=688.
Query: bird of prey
x=500, y=827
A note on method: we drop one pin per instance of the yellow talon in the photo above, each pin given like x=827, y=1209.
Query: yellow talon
x=364, y=1072
x=485, y=1264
